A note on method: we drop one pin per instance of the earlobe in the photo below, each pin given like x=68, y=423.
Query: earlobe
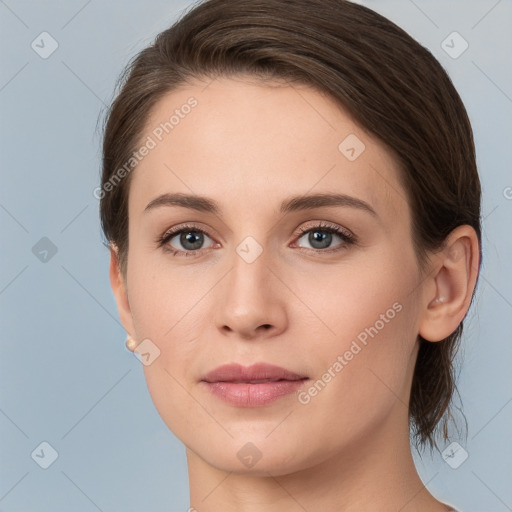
x=452, y=280
x=120, y=292
x=130, y=343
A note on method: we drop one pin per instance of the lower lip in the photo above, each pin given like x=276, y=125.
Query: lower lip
x=244, y=394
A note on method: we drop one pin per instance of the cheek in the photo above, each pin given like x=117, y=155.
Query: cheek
x=361, y=380
x=168, y=316
x=161, y=298
x=363, y=358
x=361, y=301
x=166, y=309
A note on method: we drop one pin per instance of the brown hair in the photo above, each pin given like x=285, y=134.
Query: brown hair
x=390, y=84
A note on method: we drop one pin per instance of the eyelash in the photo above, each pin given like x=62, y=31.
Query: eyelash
x=347, y=237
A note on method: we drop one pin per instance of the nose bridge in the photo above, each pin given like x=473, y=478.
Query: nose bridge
x=249, y=297
x=250, y=273
x=251, y=248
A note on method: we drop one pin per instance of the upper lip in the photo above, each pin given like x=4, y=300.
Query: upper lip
x=259, y=372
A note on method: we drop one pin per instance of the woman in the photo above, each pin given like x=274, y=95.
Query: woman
x=292, y=203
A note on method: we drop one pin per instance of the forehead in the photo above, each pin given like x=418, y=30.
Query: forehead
x=257, y=143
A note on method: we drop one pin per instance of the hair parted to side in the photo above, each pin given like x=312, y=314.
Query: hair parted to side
x=390, y=84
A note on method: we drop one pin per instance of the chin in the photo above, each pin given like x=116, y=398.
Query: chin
x=259, y=458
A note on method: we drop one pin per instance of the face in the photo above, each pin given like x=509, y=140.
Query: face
x=324, y=288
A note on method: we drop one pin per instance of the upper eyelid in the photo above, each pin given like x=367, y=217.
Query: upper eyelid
x=318, y=224
x=325, y=225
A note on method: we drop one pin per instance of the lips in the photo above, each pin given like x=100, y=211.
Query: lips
x=252, y=386
x=257, y=373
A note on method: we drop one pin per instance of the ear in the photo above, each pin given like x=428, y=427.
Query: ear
x=450, y=284
x=120, y=293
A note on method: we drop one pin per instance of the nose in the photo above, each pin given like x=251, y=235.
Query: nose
x=251, y=301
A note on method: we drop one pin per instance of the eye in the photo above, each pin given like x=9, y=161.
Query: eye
x=320, y=237
x=190, y=239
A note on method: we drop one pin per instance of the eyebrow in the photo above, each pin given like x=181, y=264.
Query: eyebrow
x=292, y=204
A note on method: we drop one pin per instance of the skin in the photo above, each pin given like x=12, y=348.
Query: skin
x=249, y=146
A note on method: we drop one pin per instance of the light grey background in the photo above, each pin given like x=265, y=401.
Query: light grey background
x=66, y=377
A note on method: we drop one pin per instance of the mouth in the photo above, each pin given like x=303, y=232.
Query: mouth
x=258, y=381
x=252, y=386
x=255, y=374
